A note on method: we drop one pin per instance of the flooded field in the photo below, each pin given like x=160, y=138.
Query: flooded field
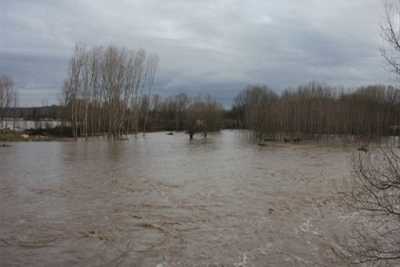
x=163, y=201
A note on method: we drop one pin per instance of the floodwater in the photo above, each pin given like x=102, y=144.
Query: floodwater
x=162, y=200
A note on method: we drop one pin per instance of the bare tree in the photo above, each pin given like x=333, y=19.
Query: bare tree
x=150, y=76
x=203, y=115
x=376, y=194
x=391, y=34
x=314, y=110
x=7, y=96
x=105, y=88
x=15, y=105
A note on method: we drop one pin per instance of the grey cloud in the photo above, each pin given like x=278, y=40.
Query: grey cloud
x=207, y=46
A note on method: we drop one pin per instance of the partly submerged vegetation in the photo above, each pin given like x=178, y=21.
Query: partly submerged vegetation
x=37, y=134
x=308, y=112
x=315, y=110
x=311, y=111
x=110, y=91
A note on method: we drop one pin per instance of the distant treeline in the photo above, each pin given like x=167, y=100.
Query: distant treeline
x=164, y=113
x=307, y=111
x=317, y=109
x=104, y=88
x=109, y=92
x=155, y=113
x=53, y=112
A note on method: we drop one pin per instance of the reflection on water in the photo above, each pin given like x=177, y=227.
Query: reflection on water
x=162, y=200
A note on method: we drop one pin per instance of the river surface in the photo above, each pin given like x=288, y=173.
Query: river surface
x=162, y=200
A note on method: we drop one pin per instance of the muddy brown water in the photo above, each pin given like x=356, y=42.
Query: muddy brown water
x=162, y=201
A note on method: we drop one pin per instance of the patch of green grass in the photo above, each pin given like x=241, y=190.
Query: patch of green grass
x=10, y=136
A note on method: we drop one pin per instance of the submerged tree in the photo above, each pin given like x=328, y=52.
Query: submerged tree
x=8, y=96
x=315, y=109
x=253, y=106
x=105, y=88
x=203, y=115
x=149, y=80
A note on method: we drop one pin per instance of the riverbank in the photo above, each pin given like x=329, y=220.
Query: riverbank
x=53, y=134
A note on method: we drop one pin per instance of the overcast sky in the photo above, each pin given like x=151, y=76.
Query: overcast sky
x=204, y=46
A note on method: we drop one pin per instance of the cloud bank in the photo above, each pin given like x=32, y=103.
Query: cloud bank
x=207, y=46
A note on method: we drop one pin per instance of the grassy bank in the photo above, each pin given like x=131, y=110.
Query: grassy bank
x=11, y=136
x=35, y=135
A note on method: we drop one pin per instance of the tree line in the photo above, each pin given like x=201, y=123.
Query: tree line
x=110, y=91
x=316, y=109
x=181, y=113
x=98, y=100
x=102, y=94
x=53, y=112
